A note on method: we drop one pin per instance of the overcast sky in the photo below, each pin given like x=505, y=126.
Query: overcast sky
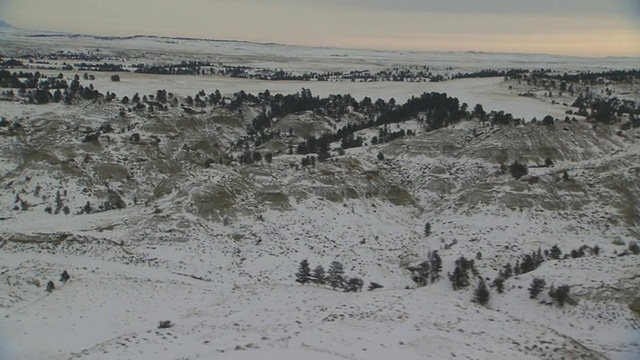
x=576, y=27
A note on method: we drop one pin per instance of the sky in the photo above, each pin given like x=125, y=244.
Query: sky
x=566, y=27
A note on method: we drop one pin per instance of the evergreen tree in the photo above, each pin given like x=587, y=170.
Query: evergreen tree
x=354, y=285
x=422, y=276
x=467, y=264
x=537, y=285
x=304, y=272
x=427, y=229
x=481, y=293
x=518, y=170
x=335, y=277
x=58, y=202
x=527, y=264
x=50, y=286
x=498, y=283
x=436, y=265
x=538, y=259
x=478, y=111
x=65, y=276
x=460, y=278
x=318, y=275
x=555, y=252
x=559, y=294
x=87, y=208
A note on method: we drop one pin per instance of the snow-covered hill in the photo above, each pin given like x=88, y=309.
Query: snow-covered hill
x=151, y=227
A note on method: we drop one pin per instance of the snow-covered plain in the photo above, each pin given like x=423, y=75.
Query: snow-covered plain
x=214, y=250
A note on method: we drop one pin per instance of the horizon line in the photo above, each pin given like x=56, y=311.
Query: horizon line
x=106, y=37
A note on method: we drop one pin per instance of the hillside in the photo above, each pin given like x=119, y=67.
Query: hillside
x=215, y=248
x=165, y=202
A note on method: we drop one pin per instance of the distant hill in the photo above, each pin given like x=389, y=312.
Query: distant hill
x=5, y=25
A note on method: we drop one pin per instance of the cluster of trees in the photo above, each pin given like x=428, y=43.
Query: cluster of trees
x=560, y=294
x=60, y=205
x=249, y=157
x=594, y=78
x=183, y=68
x=333, y=278
x=525, y=264
x=27, y=80
x=460, y=276
x=107, y=67
x=410, y=74
x=20, y=204
x=413, y=74
x=607, y=110
x=440, y=111
x=11, y=63
x=37, y=89
x=460, y=279
x=384, y=135
x=161, y=101
x=486, y=73
x=427, y=271
x=563, y=81
x=529, y=262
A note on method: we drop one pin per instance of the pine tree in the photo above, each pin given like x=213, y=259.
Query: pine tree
x=498, y=283
x=422, y=278
x=537, y=285
x=559, y=294
x=538, y=258
x=304, y=272
x=65, y=276
x=527, y=264
x=466, y=265
x=50, y=286
x=518, y=170
x=427, y=229
x=354, y=284
x=58, y=203
x=318, y=275
x=460, y=278
x=436, y=265
x=335, y=278
x=481, y=293
x=555, y=252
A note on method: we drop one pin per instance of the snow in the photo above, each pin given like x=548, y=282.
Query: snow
x=227, y=284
